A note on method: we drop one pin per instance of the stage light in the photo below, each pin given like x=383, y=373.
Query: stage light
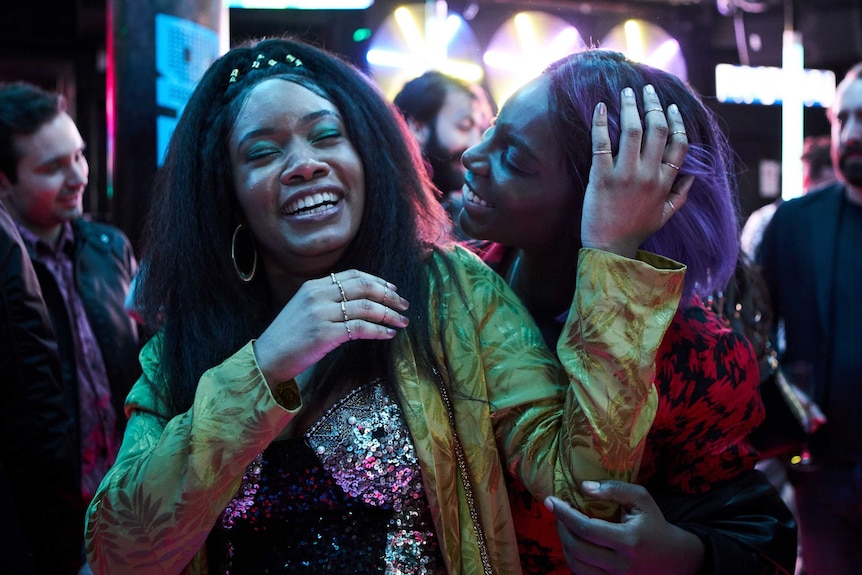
x=413, y=40
x=301, y=4
x=648, y=43
x=523, y=46
x=361, y=34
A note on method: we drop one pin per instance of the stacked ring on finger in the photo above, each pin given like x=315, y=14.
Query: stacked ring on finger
x=347, y=327
x=341, y=289
x=385, y=291
x=653, y=110
x=343, y=302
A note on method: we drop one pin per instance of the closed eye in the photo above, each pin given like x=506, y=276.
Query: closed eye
x=327, y=135
x=258, y=153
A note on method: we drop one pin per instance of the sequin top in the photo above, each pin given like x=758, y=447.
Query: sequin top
x=346, y=498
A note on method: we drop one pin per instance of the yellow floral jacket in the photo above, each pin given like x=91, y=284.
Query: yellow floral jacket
x=552, y=427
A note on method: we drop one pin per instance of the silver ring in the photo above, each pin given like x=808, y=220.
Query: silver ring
x=653, y=110
x=675, y=132
x=332, y=275
x=344, y=312
x=347, y=327
x=341, y=289
x=674, y=166
x=385, y=313
x=600, y=152
x=672, y=207
x=385, y=291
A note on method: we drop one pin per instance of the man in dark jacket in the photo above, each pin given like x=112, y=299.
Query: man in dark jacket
x=812, y=266
x=39, y=493
x=84, y=269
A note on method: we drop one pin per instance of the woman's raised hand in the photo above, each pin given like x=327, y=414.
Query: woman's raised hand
x=631, y=196
x=324, y=314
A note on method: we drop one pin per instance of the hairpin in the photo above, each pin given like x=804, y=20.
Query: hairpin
x=288, y=59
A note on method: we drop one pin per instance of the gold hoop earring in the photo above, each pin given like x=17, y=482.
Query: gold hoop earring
x=245, y=277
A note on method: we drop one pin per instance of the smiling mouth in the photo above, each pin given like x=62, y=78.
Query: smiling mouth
x=311, y=204
x=472, y=198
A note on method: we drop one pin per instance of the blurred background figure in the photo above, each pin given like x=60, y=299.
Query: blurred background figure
x=41, y=529
x=446, y=115
x=817, y=172
x=811, y=264
x=83, y=268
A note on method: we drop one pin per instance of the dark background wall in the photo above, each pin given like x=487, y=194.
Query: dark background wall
x=61, y=44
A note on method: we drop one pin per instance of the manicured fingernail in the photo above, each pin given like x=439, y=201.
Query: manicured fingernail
x=673, y=109
x=628, y=93
x=590, y=485
x=650, y=89
x=602, y=109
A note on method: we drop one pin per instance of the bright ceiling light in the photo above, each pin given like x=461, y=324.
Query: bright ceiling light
x=523, y=47
x=413, y=40
x=301, y=4
x=648, y=43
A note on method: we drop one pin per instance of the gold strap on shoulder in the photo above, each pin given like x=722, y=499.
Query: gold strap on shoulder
x=465, y=478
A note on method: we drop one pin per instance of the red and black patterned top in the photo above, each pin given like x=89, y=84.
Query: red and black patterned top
x=709, y=402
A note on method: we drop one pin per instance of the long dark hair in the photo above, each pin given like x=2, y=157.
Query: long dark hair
x=190, y=287
x=704, y=233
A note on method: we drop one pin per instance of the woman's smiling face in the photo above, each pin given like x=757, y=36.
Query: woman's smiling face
x=517, y=190
x=298, y=178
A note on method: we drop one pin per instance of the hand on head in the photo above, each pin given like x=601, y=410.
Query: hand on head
x=630, y=196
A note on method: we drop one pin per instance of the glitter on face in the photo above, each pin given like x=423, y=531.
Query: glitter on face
x=346, y=498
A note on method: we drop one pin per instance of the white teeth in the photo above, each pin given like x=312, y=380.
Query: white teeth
x=313, y=202
x=473, y=198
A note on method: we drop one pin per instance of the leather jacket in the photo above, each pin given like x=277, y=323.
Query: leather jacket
x=40, y=495
x=745, y=526
x=104, y=265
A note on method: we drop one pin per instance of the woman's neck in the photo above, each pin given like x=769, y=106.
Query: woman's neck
x=545, y=282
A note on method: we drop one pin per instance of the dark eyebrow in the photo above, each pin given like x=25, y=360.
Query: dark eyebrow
x=314, y=116
x=305, y=120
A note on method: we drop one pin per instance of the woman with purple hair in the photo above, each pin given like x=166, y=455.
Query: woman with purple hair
x=699, y=506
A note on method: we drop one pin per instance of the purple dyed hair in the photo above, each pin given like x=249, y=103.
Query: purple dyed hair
x=704, y=233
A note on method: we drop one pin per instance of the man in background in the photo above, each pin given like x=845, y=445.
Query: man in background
x=812, y=266
x=817, y=172
x=446, y=116
x=83, y=269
